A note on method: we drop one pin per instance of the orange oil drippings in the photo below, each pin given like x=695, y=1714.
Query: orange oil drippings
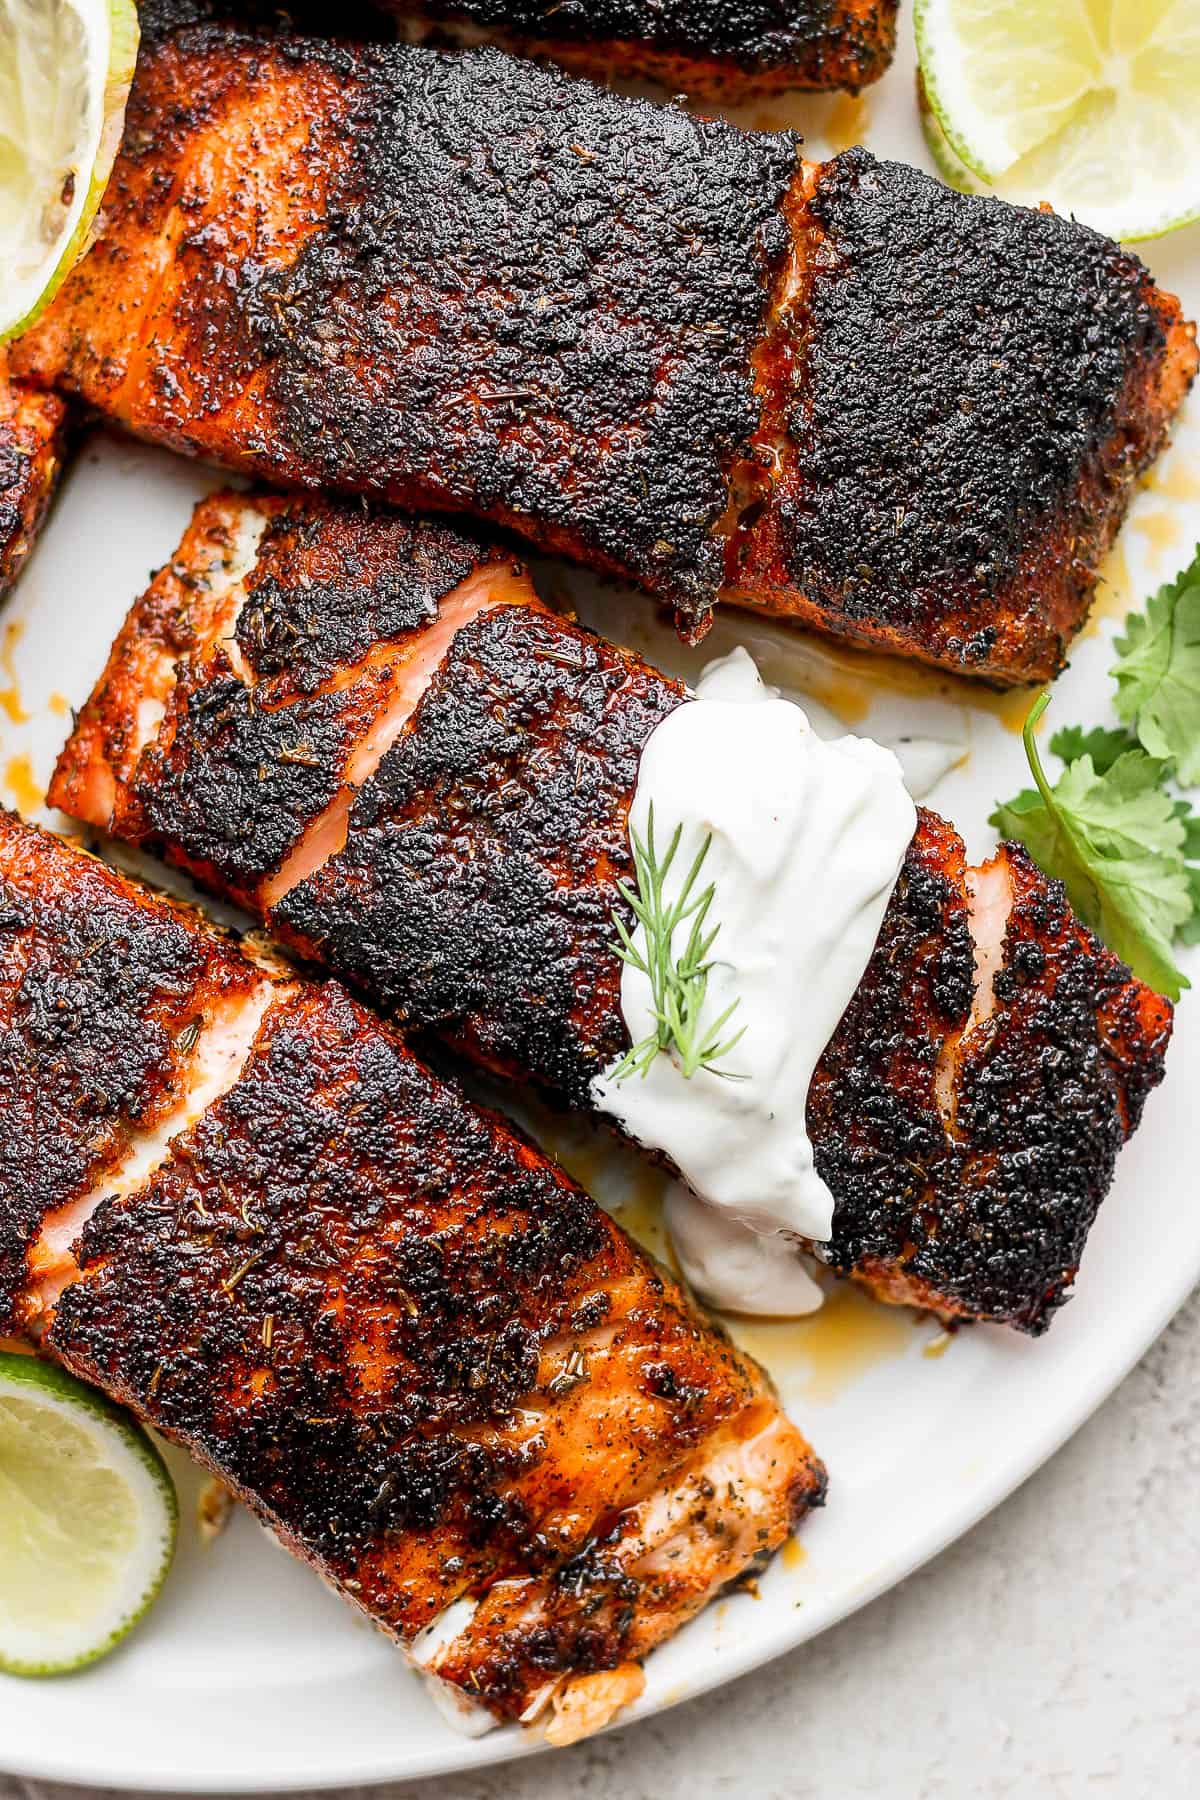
x=1176, y=481
x=1162, y=530
x=817, y=1358
x=10, y=695
x=849, y=118
x=1114, y=591
x=848, y=682
x=793, y=1556
x=641, y=1215
x=19, y=781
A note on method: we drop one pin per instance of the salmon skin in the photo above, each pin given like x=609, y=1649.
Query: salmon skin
x=439, y=812
x=424, y=1357
x=726, y=49
x=838, y=392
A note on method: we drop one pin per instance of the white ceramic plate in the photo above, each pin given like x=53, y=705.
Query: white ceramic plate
x=248, y=1675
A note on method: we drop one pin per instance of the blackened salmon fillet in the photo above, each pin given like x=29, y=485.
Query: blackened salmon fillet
x=670, y=349
x=368, y=732
x=729, y=49
x=423, y=1357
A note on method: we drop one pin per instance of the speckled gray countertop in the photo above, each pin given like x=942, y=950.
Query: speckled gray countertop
x=1052, y=1653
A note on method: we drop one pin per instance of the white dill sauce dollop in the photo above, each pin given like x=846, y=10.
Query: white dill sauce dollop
x=807, y=840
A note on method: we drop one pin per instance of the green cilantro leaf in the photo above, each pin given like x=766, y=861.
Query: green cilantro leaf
x=1158, y=673
x=1104, y=746
x=1189, y=932
x=1191, y=830
x=1116, y=841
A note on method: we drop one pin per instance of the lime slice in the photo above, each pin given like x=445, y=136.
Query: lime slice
x=950, y=165
x=88, y=1516
x=1091, y=105
x=65, y=70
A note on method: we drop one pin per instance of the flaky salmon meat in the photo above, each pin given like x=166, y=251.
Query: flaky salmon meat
x=840, y=392
x=32, y=445
x=729, y=49
x=368, y=732
x=422, y=1356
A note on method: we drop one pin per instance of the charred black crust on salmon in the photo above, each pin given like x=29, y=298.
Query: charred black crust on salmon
x=873, y=1117
x=413, y=1256
x=750, y=32
x=100, y=1004
x=813, y=41
x=473, y=897
x=965, y=380
x=535, y=300
x=480, y=872
x=488, y=288
x=327, y=1170
x=406, y=1339
x=738, y=47
x=264, y=714
x=240, y=780
x=355, y=18
x=987, y=1215
x=333, y=583
x=1042, y=1104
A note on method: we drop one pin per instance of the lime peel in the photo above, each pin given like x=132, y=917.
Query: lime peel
x=88, y=1521
x=65, y=71
x=1089, y=106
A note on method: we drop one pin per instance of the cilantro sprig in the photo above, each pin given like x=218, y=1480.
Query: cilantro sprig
x=1116, y=841
x=1125, y=846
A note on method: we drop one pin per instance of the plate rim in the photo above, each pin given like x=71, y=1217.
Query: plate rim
x=1111, y=1355
x=458, y=1753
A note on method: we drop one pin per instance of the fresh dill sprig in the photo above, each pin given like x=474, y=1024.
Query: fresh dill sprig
x=678, y=982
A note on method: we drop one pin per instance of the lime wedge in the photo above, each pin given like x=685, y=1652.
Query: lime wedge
x=1091, y=105
x=65, y=70
x=88, y=1516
